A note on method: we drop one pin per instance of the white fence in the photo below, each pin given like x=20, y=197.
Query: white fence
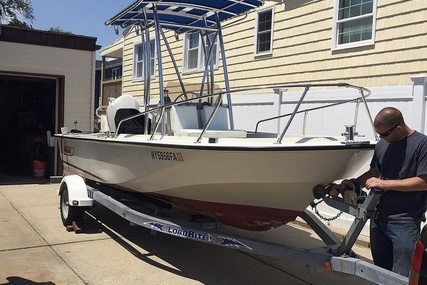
x=249, y=109
x=410, y=99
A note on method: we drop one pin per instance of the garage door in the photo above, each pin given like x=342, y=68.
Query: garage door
x=27, y=115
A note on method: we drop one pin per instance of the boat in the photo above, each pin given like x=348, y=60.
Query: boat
x=188, y=153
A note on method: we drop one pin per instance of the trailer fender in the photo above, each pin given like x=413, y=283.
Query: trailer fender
x=77, y=191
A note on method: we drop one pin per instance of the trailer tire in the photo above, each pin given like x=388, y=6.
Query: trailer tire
x=69, y=213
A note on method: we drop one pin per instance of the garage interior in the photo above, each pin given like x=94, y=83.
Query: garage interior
x=27, y=115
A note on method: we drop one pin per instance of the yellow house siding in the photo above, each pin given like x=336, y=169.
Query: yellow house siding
x=302, y=49
x=291, y=31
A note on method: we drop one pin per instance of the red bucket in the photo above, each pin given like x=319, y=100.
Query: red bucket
x=39, y=169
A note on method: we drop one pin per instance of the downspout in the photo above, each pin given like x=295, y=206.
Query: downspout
x=419, y=93
x=92, y=101
x=102, y=77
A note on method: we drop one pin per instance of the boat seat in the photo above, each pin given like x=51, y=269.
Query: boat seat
x=220, y=125
x=121, y=108
x=220, y=120
x=183, y=117
x=185, y=122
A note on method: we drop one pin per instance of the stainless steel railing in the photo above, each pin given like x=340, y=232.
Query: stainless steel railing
x=160, y=110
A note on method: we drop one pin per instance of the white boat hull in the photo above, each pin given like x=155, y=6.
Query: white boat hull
x=257, y=185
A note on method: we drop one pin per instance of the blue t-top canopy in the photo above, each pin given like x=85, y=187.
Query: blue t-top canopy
x=182, y=16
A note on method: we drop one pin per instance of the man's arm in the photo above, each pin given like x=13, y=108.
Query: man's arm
x=372, y=172
x=418, y=183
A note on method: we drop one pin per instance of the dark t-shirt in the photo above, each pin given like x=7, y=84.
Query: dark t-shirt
x=399, y=160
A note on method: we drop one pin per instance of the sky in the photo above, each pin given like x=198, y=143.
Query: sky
x=80, y=17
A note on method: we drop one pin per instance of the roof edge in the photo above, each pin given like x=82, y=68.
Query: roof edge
x=46, y=38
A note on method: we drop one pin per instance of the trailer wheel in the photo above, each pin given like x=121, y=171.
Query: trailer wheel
x=69, y=213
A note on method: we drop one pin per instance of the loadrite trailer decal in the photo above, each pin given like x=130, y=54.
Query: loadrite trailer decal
x=176, y=231
x=201, y=236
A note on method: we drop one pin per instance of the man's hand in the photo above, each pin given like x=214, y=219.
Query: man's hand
x=374, y=182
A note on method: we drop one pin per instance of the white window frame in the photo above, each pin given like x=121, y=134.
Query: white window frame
x=136, y=46
x=115, y=73
x=200, y=55
x=270, y=51
x=336, y=31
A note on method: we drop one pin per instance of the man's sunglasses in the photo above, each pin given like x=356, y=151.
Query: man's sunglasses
x=386, y=134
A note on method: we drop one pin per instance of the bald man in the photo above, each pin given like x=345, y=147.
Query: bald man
x=399, y=166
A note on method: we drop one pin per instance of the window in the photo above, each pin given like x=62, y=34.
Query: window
x=194, y=54
x=264, y=32
x=354, y=23
x=138, y=69
x=115, y=73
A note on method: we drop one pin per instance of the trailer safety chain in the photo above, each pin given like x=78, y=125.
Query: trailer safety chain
x=314, y=207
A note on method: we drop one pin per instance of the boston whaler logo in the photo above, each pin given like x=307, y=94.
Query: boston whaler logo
x=167, y=155
x=69, y=151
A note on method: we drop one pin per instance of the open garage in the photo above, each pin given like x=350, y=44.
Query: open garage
x=27, y=118
x=47, y=81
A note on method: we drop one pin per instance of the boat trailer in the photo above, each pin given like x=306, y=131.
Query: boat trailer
x=77, y=195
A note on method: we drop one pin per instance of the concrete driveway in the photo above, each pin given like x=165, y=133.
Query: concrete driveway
x=35, y=248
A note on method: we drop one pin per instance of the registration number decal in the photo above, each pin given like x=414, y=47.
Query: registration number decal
x=68, y=151
x=167, y=155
